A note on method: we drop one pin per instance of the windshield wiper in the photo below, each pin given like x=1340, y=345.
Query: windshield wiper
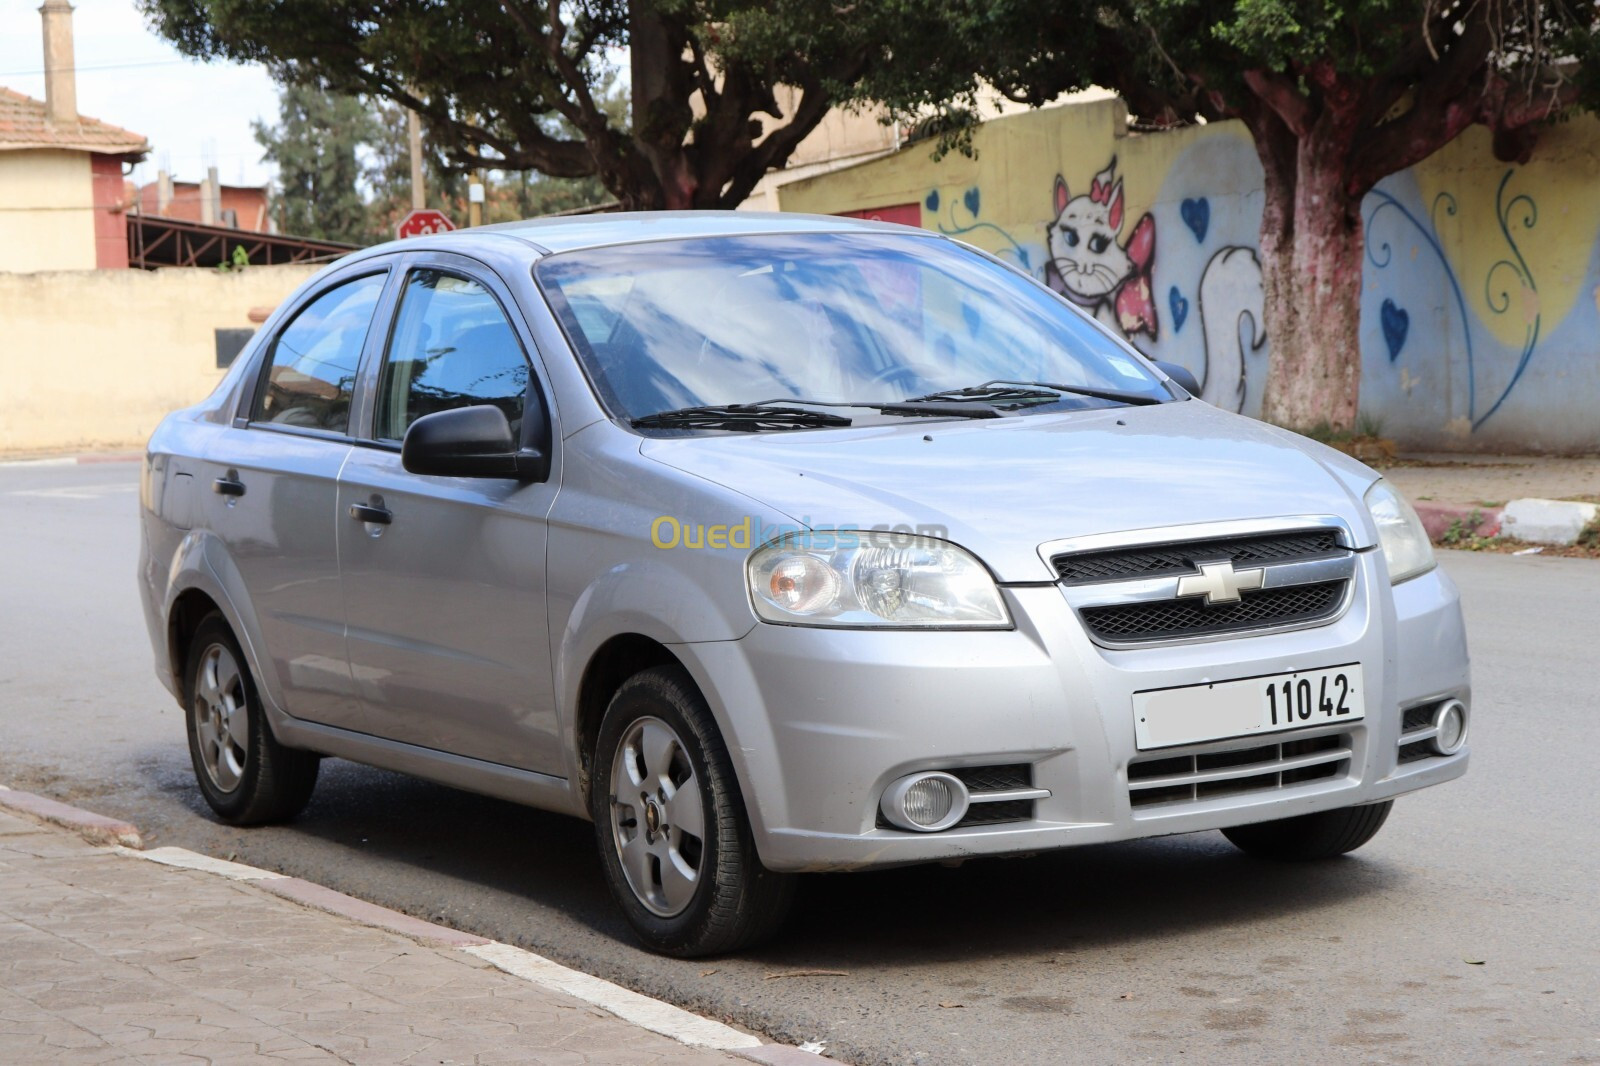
x=771, y=414
x=939, y=408
x=1017, y=393
x=748, y=417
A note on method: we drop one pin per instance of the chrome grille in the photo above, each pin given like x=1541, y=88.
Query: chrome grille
x=1121, y=564
x=1169, y=619
x=1172, y=779
x=1237, y=581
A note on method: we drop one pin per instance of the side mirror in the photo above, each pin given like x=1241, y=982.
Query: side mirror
x=1181, y=375
x=469, y=442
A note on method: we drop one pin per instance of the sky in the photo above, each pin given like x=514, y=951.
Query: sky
x=193, y=114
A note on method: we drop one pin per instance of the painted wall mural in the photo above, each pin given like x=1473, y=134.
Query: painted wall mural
x=1480, y=297
x=1212, y=304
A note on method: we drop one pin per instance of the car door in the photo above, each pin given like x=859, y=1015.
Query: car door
x=269, y=488
x=444, y=577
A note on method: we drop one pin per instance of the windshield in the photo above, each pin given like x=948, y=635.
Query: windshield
x=821, y=317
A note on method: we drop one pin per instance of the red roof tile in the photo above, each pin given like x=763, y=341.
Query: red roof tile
x=23, y=125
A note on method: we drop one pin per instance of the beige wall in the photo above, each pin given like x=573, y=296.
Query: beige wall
x=46, y=210
x=94, y=359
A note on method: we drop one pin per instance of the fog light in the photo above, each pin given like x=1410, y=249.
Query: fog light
x=1450, y=721
x=925, y=803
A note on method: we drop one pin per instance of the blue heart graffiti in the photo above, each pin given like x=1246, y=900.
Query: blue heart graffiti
x=1396, y=322
x=1197, y=216
x=1180, y=308
x=970, y=198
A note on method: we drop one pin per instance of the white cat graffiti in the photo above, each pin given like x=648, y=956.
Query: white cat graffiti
x=1114, y=282
x=1090, y=268
x=1230, y=301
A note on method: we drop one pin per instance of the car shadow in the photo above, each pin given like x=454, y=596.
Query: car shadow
x=1062, y=901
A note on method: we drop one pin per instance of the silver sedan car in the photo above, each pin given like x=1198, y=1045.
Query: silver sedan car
x=775, y=544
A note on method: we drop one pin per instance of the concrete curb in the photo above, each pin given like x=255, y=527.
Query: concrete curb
x=1547, y=521
x=632, y=1007
x=95, y=828
x=358, y=910
x=1440, y=518
x=1534, y=520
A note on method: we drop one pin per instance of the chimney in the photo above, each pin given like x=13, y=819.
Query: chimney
x=60, y=75
x=163, y=192
x=210, y=198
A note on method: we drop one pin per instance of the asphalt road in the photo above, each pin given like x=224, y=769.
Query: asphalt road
x=1466, y=932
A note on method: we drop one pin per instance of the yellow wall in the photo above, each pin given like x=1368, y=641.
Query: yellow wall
x=94, y=359
x=46, y=211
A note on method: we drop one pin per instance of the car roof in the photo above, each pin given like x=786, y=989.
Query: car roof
x=550, y=235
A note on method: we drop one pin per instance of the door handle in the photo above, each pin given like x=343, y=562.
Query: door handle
x=227, y=486
x=377, y=515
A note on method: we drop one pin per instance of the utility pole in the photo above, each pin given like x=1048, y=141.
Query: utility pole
x=419, y=191
x=475, y=199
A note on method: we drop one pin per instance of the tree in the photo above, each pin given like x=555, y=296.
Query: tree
x=508, y=195
x=314, y=146
x=1335, y=96
x=489, y=76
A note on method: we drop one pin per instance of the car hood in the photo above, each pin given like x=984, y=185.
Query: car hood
x=1001, y=487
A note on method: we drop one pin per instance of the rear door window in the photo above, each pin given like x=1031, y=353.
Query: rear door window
x=315, y=357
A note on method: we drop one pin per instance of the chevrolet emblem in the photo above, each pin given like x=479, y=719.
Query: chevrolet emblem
x=1220, y=582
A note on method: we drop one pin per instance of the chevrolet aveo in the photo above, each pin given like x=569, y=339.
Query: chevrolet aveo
x=775, y=544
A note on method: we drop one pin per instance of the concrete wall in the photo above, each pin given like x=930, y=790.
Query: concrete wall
x=47, y=217
x=94, y=359
x=1481, y=288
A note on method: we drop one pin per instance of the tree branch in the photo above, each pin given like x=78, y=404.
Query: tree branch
x=1283, y=96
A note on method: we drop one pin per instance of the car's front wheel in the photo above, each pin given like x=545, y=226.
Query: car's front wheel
x=671, y=824
x=245, y=775
x=1322, y=835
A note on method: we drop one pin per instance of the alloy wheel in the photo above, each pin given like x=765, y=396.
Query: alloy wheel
x=657, y=817
x=221, y=718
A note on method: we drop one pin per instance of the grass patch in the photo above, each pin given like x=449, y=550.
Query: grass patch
x=1462, y=530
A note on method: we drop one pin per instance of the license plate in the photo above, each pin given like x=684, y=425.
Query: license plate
x=1272, y=703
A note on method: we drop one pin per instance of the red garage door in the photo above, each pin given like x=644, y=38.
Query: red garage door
x=904, y=214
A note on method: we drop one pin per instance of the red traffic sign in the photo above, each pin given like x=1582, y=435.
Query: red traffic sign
x=422, y=223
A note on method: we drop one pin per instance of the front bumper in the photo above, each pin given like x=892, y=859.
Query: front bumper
x=821, y=721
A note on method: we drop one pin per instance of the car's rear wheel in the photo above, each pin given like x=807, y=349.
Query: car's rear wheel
x=671, y=824
x=245, y=775
x=1322, y=835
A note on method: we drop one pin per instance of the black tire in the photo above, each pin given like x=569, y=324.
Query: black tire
x=732, y=901
x=252, y=783
x=1323, y=835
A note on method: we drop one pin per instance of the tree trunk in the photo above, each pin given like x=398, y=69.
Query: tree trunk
x=1311, y=247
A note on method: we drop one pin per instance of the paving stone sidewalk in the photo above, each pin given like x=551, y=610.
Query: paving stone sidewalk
x=106, y=958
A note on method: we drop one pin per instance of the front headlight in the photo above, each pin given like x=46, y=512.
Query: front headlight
x=854, y=578
x=1406, y=547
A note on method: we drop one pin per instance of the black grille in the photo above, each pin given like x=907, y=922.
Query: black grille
x=1168, y=619
x=1418, y=718
x=1420, y=749
x=995, y=778
x=994, y=813
x=1121, y=564
x=1414, y=719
